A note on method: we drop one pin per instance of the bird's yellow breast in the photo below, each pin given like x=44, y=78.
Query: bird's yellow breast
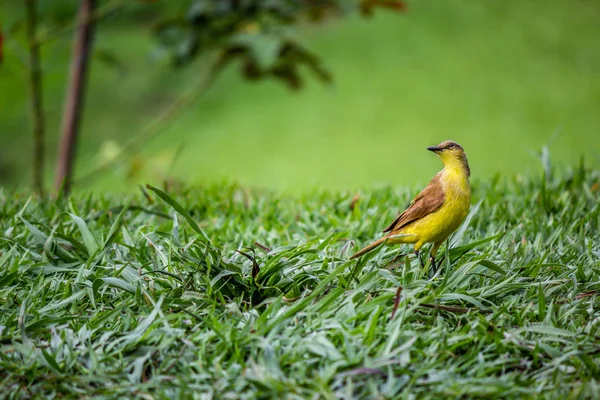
x=437, y=226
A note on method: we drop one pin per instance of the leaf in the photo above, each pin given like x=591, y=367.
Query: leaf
x=96, y=285
x=255, y=266
x=72, y=298
x=177, y=207
x=115, y=225
x=120, y=283
x=143, y=327
x=172, y=275
x=541, y=302
x=547, y=330
x=6, y=256
x=45, y=322
x=460, y=233
x=289, y=75
x=301, y=304
x=464, y=297
x=264, y=48
x=88, y=238
x=175, y=231
x=457, y=252
x=41, y=236
x=51, y=362
x=296, y=55
x=321, y=346
x=493, y=266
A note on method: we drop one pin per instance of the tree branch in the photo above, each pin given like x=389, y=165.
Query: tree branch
x=75, y=95
x=36, y=99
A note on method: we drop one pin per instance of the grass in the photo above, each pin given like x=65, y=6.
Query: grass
x=150, y=296
x=501, y=79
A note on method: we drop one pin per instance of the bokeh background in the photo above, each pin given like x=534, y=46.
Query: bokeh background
x=503, y=78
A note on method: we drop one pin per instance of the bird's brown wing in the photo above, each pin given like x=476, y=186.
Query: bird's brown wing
x=426, y=202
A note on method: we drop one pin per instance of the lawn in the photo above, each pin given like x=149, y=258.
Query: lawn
x=145, y=295
x=503, y=79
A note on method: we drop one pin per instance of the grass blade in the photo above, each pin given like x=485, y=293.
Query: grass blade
x=88, y=239
x=177, y=207
x=460, y=233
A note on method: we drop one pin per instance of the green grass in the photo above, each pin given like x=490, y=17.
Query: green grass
x=501, y=78
x=116, y=296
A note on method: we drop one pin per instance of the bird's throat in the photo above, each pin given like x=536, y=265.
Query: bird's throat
x=456, y=177
x=457, y=167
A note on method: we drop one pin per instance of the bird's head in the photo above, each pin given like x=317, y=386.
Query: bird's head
x=451, y=154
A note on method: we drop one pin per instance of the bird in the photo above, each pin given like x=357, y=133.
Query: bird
x=437, y=211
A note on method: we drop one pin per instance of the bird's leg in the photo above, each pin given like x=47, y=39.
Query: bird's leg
x=432, y=254
x=418, y=254
x=433, y=264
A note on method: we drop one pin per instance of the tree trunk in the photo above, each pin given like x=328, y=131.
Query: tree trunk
x=73, y=108
x=36, y=99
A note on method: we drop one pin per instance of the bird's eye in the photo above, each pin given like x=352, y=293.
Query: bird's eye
x=451, y=146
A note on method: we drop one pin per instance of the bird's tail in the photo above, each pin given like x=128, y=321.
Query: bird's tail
x=370, y=247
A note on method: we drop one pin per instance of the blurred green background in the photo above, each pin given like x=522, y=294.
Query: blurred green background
x=503, y=78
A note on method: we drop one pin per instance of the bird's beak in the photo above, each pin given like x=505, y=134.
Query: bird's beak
x=435, y=149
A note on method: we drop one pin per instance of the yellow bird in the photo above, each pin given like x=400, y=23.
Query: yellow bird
x=438, y=210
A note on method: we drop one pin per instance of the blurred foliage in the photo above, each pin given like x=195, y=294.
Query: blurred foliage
x=501, y=78
x=256, y=32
